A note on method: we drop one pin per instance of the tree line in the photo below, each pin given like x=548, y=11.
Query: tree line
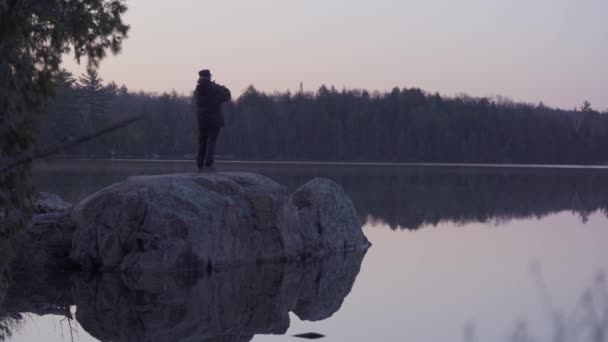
x=403, y=125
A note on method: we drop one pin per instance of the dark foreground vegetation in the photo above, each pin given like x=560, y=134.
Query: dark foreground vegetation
x=34, y=36
x=404, y=125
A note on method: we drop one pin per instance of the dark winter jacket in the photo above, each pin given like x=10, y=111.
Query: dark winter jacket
x=209, y=97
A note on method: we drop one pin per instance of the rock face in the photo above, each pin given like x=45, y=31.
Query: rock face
x=45, y=245
x=45, y=202
x=187, y=222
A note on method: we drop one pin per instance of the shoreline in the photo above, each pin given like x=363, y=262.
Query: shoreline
x=330, y=163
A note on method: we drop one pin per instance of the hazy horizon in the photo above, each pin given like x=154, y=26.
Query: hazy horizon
x=549, y=51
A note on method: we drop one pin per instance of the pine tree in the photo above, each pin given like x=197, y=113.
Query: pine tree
x=93, y=101
x=93, y=98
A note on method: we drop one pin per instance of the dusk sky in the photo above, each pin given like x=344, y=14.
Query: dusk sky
x=555, y=51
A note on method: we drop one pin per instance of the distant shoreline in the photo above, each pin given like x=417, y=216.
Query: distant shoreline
x=329, y=163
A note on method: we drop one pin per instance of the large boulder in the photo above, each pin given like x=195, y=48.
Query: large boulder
x=320, y=218
x=186, y=222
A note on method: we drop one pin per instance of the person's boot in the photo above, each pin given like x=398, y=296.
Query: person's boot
x=210, y=168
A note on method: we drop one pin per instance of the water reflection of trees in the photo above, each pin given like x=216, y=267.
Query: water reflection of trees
x=402, y=197
x=415, y=199
x=409, y=198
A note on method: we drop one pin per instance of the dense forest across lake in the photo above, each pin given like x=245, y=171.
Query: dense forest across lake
x=403, y=125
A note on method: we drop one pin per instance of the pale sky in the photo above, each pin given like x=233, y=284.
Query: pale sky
x=555, y=51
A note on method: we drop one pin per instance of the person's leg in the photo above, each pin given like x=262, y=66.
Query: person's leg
x=202, y=147
x=212, y=134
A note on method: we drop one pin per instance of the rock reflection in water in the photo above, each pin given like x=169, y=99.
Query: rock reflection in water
x=225, y=305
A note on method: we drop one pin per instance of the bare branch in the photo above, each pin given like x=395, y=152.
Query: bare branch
x=30, y=156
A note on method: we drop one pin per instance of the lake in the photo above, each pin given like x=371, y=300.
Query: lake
x=459, y=254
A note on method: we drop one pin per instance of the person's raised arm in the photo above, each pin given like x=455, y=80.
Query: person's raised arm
x=222, y=94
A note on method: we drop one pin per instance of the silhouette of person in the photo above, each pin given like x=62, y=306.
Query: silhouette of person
x=209, y=97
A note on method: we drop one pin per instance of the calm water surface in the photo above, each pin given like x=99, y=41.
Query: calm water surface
x=459, y=254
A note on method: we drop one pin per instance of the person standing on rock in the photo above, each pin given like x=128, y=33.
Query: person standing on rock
x=209, y=97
